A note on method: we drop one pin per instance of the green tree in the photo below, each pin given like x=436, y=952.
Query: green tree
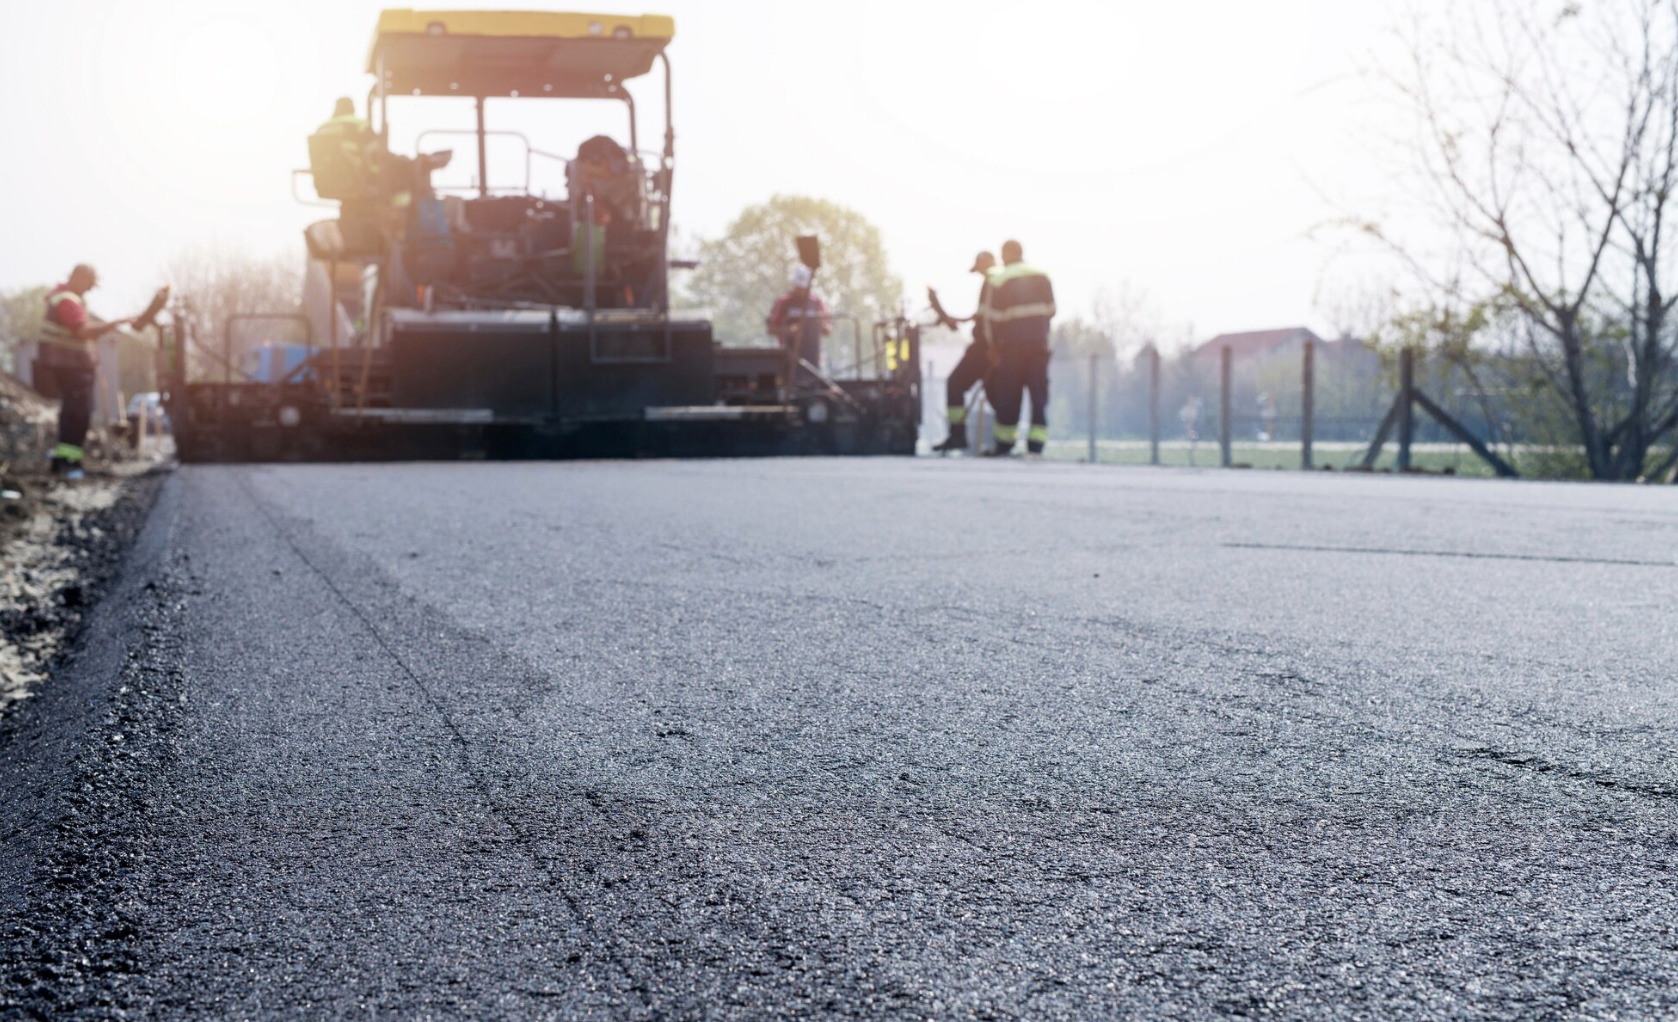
x=742, y=273
x=20, y=314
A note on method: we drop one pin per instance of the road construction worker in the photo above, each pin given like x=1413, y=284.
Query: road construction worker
x=344, y=160
x=67, y=365
x=341, y=156
x=800, y=319
x=975, y=365
x=1019, y=304
x=374, y=187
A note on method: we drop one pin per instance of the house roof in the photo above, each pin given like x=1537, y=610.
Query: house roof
x=1253, y=343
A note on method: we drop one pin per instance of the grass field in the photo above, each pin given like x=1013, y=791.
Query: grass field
x=1453, y=458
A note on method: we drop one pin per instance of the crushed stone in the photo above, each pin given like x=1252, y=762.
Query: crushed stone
x=59, y=543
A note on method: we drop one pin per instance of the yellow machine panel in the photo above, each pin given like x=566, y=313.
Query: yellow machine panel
x=524, y=53
x=533, y=24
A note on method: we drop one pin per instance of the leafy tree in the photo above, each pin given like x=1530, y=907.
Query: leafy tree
x=742, y=273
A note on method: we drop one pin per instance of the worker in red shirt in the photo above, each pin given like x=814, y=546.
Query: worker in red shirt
x=800, y=320
x=66, y=366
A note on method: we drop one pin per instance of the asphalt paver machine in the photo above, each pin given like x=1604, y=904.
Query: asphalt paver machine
x=495, y=320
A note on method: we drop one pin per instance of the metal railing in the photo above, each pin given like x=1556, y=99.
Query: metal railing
x=1110, y=408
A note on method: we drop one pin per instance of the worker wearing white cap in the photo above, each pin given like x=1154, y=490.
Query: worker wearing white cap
x=976, y=363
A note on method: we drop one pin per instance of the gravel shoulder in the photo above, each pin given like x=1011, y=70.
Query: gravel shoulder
x=65, y=630
x=61, y=545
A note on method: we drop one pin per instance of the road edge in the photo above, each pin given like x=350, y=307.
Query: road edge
x=67, y=764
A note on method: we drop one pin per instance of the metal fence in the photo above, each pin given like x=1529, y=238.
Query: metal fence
x=1316, y=405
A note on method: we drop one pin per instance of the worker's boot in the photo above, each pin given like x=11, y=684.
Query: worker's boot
x=956, y=441
x=1035, y=439
x=1003, y=437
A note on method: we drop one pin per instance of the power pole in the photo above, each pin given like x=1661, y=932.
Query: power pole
x=1406, y=406
x=1095, y=365
x=1153, y=405
x=1307, y=403
x=1226, y=374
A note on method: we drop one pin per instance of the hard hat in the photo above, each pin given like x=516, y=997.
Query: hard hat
x=982, y=262
x=801, y=276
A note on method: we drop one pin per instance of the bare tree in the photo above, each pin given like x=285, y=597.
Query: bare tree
x=1547, y=141
x=216, y=283
x=1127, y=315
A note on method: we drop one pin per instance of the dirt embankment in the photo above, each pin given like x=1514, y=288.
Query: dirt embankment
x=60, y=546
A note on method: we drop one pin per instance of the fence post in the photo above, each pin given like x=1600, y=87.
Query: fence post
x=1406, y=405
x=1225, y=374
x=1307, y=403
x=1153, y=405
x=927, y=387
x=1095, y=365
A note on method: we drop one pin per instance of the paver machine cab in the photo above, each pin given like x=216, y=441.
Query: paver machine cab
x=493, y=320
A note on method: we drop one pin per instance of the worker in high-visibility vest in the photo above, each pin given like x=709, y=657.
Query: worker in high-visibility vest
x=1019, y=304
x=342, y=154
x=374, y=187
x=348, y=164
x=67, y=365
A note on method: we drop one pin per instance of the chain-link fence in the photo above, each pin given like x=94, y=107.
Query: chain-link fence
x=1311, y=403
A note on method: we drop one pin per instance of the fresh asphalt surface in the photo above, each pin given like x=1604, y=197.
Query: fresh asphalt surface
x=862, y=739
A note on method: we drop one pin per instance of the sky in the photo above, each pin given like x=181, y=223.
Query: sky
x=1191, y=153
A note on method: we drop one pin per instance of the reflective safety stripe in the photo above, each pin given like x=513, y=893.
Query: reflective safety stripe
x=66, y=452
x=354, y=133
x=1022, y=312
x=1007, y=434
x=345, y=124
x=1038, y=434
x=957, y=414
x=1016, y=293
x=53, y=332
x=1003, y=274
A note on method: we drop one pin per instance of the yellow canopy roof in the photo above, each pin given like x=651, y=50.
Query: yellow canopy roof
x=524, y=53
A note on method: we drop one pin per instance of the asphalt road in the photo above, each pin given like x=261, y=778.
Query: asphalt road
x=859, y=739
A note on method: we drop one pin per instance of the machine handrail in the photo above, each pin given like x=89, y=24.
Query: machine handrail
x=530, y=153
x=226, y=356
x=300, y=200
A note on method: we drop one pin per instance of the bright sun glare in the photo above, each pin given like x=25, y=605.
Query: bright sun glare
x=226, y=72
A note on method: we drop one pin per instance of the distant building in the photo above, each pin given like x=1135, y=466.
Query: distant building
x=1253, y=344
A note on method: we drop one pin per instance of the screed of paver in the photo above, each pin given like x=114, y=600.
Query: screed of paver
x=909, y=739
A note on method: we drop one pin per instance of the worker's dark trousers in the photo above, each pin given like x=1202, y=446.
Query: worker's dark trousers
x=974, y=365
x=808, y=342
x=1024, y=368
x=70, y=378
